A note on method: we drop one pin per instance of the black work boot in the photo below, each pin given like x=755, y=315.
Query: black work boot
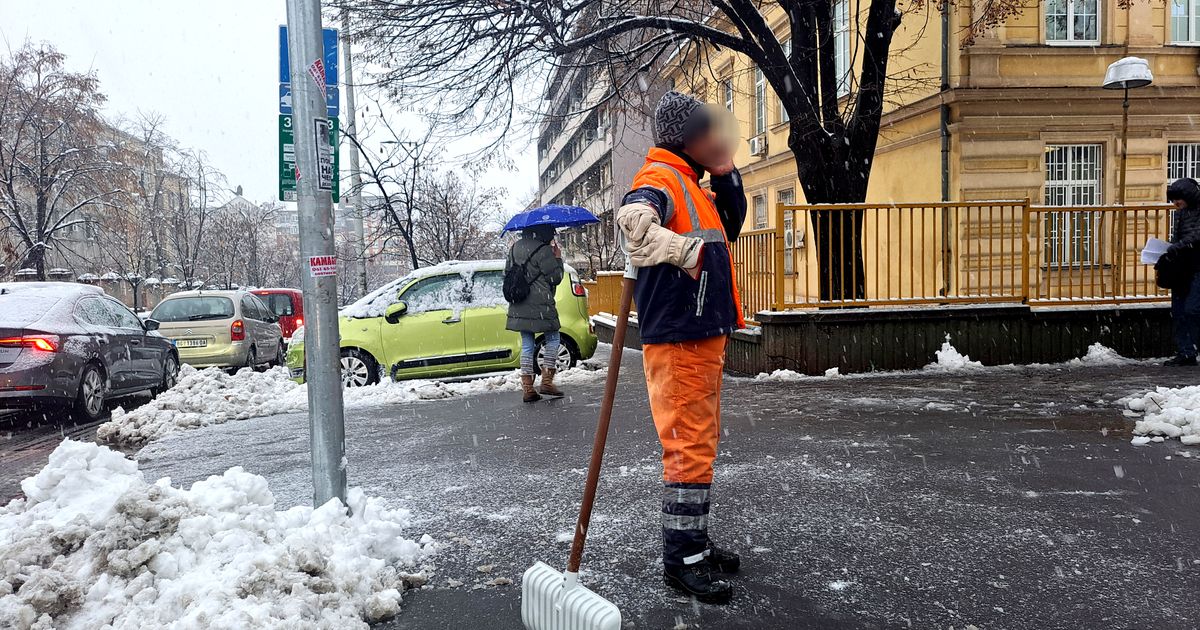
x=696, y=580
x=722, y=560
x=1180, y=361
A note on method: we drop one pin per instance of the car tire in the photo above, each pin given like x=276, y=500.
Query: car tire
x=93, y=390
x=359, y=368
x=169, y=377
x=568, y=354
x=280, y=354
x=252, y=358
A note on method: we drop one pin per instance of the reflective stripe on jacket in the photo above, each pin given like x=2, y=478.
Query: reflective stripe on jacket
x=672, y=306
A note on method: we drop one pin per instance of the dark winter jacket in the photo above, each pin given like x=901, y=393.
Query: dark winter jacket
x=538, y=312
x=1185, y=235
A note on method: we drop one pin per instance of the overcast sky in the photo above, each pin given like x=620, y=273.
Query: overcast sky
x=211, y=68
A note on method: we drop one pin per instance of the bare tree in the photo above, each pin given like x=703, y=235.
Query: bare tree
x=55, y=161
x=475, y=59
x=189, y=218
x=458, y=220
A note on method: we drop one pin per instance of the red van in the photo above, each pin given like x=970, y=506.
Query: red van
x=287, y=305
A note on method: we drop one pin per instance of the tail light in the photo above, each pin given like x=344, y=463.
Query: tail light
x=299, y=322
x=577, y=288
x=237, y=330
x=45, y=343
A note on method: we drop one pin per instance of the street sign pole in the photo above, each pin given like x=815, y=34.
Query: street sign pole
x=314, y=171
x=360, y=236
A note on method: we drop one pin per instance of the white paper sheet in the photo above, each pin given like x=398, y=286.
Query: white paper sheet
x=1155, y=248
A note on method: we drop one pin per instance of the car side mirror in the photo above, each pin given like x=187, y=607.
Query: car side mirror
x=395, y=311
x=151, y=324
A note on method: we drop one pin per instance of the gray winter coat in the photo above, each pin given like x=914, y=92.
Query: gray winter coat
x=538, y=312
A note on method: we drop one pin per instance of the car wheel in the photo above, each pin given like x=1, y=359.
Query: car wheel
x=170, y=375
x=252, y=358
x=89, y=402
x=358, y=369
x=567, y=354
x=280, y=354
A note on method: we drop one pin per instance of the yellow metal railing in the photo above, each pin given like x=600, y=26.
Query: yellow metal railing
x=865, y=255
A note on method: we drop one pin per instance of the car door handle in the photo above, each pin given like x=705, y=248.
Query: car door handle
x=451, y=320
x=135, y=342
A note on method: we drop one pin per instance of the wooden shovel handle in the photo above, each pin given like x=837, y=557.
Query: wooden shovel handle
x=606, y=406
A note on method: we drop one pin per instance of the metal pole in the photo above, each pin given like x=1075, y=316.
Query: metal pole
x=327, y=432
x=355, y=174
x=1124, y=147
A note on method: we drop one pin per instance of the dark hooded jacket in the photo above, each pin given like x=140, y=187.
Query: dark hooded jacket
x=538, y=313
x=1185, y=233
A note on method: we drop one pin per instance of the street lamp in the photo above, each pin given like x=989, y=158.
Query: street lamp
x=1126, y=74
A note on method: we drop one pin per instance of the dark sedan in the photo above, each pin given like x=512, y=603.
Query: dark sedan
x=72, y=346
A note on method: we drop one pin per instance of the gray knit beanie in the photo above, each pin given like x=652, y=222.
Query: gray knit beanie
x=678, y=119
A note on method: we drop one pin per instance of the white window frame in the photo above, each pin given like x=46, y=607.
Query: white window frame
x=787, y=197
x=729, y=96
x=787, y=54
x=1070, y=40
x=1185, y=14
x=760, y=211
x=1074, y=177
x=760, y=102
x=841, y=45
x=1183, y=160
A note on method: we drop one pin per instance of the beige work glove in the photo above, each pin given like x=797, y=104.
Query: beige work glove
x=649, y=243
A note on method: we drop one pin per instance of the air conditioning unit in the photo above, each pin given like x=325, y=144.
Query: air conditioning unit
x=758, y=145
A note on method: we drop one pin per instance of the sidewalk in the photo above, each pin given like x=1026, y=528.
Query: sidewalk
x=1004, y=498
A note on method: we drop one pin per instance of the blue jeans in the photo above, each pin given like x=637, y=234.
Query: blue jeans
x=529, y=351
x=1185, y=311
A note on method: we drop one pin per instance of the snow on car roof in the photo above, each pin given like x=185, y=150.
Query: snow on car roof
x=23, y=303
x=375, y=303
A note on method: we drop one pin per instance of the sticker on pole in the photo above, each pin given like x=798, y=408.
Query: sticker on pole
x=316, y=70
x=321, y=129
x=321, y=266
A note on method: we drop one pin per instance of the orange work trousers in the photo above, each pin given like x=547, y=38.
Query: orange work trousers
x=684, y=382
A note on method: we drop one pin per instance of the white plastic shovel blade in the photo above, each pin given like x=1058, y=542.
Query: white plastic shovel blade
x=553, y=601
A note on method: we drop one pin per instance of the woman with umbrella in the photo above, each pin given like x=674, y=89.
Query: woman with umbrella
x=532, y=272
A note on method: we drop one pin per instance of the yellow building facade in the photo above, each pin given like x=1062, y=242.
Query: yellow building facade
x=1017, y=114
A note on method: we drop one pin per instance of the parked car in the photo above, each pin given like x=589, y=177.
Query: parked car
x=287, y=305
x=225, y=329
x=445, y=320
x=70, y=345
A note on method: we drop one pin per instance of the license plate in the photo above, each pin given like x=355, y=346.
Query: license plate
x=191, y=343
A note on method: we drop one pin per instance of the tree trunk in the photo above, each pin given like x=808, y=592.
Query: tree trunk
x=837, y=234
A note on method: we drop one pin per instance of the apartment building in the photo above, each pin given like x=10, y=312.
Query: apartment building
x=590, y=145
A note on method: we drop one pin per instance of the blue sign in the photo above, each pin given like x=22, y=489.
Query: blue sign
x=331, y=99
x=330, y=37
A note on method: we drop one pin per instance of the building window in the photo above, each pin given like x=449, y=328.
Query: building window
x=760, y=102
x=1185, y=21
x=1183, y=160
x=760, y=212
x=1073, y=178
x=787, y=197
x=727, y=93
x=1073, y=21
x=787, y=53
x=841, y=45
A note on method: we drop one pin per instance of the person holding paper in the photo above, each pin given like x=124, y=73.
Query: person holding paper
x=1184, y=257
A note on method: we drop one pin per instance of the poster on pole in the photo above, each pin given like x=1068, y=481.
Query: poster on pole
x=287, y=158
x=322, y=266
x=322, y=131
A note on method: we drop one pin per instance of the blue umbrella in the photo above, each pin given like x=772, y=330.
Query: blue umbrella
x=553, y=214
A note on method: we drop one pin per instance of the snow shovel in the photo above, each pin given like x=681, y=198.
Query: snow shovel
x=557, y=601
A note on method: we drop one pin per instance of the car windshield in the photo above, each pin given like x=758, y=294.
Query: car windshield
x=191, y=309
x=25, y=307
x=279, y=303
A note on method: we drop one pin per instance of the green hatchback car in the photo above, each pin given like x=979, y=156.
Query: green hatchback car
x=445, y=320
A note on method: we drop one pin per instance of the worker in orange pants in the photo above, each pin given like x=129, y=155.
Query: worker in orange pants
x=677, y=235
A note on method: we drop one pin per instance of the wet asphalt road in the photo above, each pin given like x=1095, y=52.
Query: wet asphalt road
x=1007, y=498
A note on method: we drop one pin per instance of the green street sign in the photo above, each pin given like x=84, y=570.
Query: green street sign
x=287, y=159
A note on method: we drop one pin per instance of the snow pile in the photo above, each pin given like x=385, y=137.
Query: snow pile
x=1167, y=412
x=1100, y=355
x=95, y=545
x=949, y=359
x=781, y=375
x=211, y=396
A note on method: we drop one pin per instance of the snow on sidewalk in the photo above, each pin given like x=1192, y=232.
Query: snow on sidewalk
x=1167, y=412
x=96, y=545
x=211, y=396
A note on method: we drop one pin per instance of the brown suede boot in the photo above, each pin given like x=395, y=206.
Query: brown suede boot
x=531, y=394
x=547, y=387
